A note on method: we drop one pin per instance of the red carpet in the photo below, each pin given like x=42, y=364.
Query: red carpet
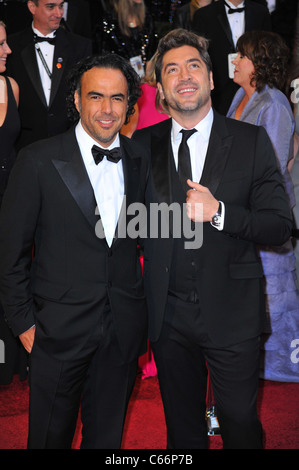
x=145, y=426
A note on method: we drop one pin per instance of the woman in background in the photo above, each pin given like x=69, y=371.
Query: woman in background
x=127, y=29
x=15, y=357
x=261, y=72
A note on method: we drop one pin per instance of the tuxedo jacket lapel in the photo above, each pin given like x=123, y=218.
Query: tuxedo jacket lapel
x=72, y=171
x=59, y=63
x=29, y=58
x=222, y=18
x=131, y=168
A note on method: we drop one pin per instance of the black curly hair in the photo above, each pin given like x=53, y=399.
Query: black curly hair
x=269, y=55
x=108, y=61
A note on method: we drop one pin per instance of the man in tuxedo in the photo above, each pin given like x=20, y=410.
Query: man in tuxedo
x=78, y=306
x=42, y=56
x=206, y=302
x=223, y=22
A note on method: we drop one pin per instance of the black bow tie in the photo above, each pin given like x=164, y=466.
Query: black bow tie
x=234, y=10
x=98, y=153
x=41, y=39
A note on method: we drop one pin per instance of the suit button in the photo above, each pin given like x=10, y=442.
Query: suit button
x=167, y=269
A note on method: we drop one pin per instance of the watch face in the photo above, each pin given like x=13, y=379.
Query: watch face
x=216, y=219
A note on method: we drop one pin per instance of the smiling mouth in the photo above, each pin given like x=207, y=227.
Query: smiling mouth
x=106, y=122
x=187, y=90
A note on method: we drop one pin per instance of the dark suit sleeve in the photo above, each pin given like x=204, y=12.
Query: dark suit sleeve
x=267, y=219
x=18, y=222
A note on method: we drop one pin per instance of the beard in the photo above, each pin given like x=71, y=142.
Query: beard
x=187, y=106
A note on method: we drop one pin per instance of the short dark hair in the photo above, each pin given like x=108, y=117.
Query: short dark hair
x=108, y=61
x=269, y=55
x=178, y=38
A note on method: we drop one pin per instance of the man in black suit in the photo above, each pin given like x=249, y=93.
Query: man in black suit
x=223, y=23
x=40, y=69
x=83, y=290
x=206, y=301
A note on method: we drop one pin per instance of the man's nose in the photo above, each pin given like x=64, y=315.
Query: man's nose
x=106, y=106
x=59, y=11
x=184, y=73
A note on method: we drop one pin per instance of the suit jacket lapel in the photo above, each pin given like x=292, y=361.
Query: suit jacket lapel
x=131, y=168
x=72, y=171
x=217, y=154
x=161, y=153
x=29, y=58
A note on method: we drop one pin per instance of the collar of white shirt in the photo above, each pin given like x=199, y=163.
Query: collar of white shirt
x=231, y=5
x=203, y=127
x=50, y=35
x=86, y=143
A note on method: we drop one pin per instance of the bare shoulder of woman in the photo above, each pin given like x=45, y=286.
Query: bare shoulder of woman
x=15, y=89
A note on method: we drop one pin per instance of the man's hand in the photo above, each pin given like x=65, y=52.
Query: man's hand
x=27, y=339
x=201, y=204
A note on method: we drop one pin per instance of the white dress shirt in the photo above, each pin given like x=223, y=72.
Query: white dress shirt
x=198, y=146
x=236, y=21
x=107, y=180
x=197, y=143
x=47, y=50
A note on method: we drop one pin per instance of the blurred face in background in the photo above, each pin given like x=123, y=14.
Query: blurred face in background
x=244, y=70
x=46, y=14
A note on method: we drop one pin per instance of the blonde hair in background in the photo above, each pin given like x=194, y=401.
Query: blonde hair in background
x=126, y=9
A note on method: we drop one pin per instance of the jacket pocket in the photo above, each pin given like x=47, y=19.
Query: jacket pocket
x=246, y=271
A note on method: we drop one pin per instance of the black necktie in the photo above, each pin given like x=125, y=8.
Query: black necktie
x=184, y=163
x=234, y=10
x=41, y=39
x=99, y=153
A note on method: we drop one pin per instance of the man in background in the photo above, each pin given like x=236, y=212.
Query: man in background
x=222, y=23
x=42, y=56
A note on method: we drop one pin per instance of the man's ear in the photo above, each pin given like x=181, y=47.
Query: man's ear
x=31, y=7
x=211, y=81
x=160, y=89
x=77, y=101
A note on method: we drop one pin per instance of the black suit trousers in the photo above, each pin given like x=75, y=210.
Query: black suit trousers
x=97, y=380
x=182, y=364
